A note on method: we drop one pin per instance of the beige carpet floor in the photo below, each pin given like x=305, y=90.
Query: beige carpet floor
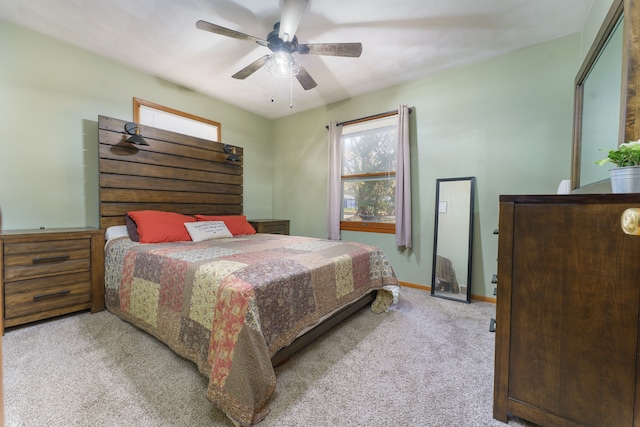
x=427, y=362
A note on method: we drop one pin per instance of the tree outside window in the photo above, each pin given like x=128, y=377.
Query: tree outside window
x=369, y=175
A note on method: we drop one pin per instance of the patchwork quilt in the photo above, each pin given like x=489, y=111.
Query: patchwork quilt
x=230, y=304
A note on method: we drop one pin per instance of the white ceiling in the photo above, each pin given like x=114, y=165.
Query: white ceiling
x=402, y=40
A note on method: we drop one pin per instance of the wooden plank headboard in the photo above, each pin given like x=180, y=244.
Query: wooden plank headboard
x=175, y=172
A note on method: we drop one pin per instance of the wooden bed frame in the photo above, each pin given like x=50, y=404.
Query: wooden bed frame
x=185, y=174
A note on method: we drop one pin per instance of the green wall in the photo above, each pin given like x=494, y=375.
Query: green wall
x=52, y=94
x=506, y=121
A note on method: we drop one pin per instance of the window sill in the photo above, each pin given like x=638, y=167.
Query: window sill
x=371, y=227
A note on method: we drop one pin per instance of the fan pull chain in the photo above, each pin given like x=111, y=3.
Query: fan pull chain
x=291, y=91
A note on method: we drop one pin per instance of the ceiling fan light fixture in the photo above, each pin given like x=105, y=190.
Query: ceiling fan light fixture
x=282, y=64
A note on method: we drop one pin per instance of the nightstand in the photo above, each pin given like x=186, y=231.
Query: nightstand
x=272, y=226
x=50, y=272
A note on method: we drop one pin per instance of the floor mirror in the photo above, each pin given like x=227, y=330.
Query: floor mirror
x=453, y=238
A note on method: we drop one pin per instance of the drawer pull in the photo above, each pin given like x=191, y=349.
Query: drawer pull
x=51, y=295
x=44, y=260
x=630, y=221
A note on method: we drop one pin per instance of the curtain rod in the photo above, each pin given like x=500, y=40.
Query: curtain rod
x=374, y=116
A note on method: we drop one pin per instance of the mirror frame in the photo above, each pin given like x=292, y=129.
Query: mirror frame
x=628, y=128
x=472, y=192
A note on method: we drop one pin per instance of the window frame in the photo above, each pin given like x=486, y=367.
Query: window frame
x=137, y=103
x=367, y=226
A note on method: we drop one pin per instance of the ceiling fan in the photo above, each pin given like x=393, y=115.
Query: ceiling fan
x=283, y=42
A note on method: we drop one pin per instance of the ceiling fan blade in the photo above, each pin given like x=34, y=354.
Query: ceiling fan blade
x=217, y=29
x=250, y=69
x=352, y=50
x=305, y=79
x=290, y=16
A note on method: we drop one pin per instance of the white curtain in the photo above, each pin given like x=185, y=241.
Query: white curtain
x=403, y=181
x=335, y=181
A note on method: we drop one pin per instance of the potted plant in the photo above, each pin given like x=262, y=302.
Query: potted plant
x=625, y=177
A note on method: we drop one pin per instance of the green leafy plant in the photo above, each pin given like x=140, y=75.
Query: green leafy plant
x=627, y=154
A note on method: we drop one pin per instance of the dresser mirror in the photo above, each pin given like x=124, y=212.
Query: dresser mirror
x=453, y=238
x=600, y=105
x=601, y=109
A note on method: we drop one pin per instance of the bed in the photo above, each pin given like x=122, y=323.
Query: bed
x=235, y=305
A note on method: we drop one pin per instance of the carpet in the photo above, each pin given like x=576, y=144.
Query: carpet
x=427, y=362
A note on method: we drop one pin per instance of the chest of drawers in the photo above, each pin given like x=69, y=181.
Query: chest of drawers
x=47, y=273
x=567, y=311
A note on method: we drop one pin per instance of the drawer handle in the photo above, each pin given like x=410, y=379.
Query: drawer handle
x=51, y=295
x=58, y=258
x=630, y=221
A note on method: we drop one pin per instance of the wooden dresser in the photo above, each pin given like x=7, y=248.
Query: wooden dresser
x=271, y=226
x=567, y=311
x=49, y=272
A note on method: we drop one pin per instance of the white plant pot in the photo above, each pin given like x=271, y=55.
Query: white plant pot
x=625, y=179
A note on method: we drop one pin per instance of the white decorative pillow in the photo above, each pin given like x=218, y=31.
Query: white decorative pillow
x=115, y=231
x=207, y=230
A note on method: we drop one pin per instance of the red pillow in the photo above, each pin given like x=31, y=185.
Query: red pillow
x=159, y=226
x=237, y=224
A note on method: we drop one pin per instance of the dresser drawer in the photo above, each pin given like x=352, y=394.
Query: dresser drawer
x=275, y=228
x=271, y=226
x=38, y=259
x=31, y=296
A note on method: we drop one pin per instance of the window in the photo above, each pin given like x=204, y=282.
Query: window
x=159, y=116
x=369, y=175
